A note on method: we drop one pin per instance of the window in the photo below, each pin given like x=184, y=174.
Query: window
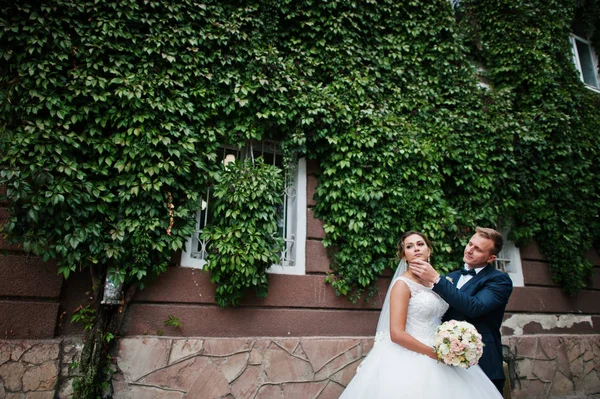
x=585, y=61
x=509, y=261
x=292, y=212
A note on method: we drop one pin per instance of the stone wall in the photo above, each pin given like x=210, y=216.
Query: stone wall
x=29, y=368
x=237, y=368
x=554, y=366
x=551, y=366
x=319, y=368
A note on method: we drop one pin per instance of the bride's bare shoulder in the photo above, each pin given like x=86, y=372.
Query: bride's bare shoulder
x=402, y=279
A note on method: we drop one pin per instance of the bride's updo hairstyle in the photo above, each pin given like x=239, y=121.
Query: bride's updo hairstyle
x=400, y=252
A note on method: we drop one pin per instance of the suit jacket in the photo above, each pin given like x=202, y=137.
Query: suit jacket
x=481, y=302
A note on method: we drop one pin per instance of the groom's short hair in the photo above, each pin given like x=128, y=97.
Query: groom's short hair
x=493, y=235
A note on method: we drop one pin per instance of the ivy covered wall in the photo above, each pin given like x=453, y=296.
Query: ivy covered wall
x=112, y=113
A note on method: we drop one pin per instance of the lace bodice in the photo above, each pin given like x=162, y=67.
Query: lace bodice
x=425, y=311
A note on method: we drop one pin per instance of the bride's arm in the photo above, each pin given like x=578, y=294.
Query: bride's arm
x=399, y=298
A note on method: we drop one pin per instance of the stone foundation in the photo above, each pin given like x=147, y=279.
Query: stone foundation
x=237, y=368
x=541, y=366
x=29, y=369
x=554, y=366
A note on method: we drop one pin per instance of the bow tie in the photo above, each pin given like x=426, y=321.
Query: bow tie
x=464, y=272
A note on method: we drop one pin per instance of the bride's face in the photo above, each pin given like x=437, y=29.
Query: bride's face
x=415, y=247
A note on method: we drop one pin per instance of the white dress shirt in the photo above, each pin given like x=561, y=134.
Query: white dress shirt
x=464, y=278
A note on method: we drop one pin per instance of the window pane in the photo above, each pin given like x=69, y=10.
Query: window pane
x=588, y=70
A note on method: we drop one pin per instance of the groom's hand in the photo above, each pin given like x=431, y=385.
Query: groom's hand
x=423, y=270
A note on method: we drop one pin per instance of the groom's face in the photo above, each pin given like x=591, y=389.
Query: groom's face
x=478, y=252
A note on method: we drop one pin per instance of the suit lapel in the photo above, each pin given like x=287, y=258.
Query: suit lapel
x=455, y=275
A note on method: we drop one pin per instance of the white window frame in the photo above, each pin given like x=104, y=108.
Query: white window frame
x=293, y=257
x=593, y=59
x=509, y=260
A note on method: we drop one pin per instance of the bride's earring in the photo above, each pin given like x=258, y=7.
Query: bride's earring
x=429, y=259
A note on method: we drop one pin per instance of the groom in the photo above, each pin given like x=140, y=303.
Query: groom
x=478, y=294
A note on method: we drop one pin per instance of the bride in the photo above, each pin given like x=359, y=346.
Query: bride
x=402, y=363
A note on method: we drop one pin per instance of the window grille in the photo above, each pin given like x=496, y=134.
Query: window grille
x=502, y=263
x=270, y=151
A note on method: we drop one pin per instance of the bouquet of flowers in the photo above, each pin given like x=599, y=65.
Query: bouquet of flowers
x=457, y=343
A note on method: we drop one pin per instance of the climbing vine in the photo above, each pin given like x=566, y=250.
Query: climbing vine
x=244, y=237
x=417, y=143
x=112, y=114
x=558, y=198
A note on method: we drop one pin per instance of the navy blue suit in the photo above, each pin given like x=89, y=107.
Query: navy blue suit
x=481, y=302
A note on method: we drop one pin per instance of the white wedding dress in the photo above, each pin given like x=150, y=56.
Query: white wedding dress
x=392, y=371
